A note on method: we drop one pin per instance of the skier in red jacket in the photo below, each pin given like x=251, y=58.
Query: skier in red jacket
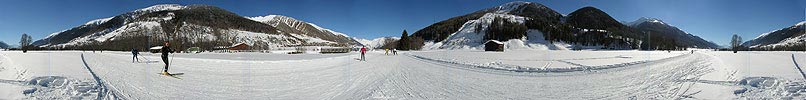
x=363, y=51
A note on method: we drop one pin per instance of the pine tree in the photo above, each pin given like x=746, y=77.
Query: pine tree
x=403, y=44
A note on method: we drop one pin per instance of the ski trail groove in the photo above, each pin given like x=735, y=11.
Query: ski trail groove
x=104, y=89
x=527, y=69
x=798, y=66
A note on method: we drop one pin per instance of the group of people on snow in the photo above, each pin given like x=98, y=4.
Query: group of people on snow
x=165, y=50
x=363, y=51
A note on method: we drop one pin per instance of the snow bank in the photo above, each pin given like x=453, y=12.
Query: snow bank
x=57, y=87
x=770, y=88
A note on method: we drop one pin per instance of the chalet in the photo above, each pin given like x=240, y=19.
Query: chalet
x=494, y=45
x=239, y=46
x=155, y=49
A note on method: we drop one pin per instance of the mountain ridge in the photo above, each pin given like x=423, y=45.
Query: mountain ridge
x=188, y=26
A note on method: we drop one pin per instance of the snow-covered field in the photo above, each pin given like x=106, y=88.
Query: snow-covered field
x=439, y=74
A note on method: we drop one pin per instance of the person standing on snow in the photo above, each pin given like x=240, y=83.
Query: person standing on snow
x=165, y=50
x=134, y=54
x=363, y=51
x=394, y=51
x=387, y=51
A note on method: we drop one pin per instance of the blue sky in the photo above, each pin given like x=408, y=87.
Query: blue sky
x=714, y=20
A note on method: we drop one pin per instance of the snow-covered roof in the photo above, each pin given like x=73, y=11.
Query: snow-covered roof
x=156, y=47
x=238, y=44
x=494, y=41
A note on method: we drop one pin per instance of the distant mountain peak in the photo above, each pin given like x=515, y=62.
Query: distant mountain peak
x=801, y=23
x=644, y=20
x=193, y=25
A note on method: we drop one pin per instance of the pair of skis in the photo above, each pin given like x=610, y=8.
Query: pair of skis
x=173, y=75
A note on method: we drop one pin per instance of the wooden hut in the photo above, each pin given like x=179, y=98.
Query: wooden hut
x=494, y=45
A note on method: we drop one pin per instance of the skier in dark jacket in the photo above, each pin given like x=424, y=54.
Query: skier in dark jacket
x=135, y=53
x=165, y=50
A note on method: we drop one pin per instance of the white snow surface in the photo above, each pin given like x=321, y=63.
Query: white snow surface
x=409, y=75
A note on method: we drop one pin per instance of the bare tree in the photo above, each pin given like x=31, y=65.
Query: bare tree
x=25, y=41
x=736, y=43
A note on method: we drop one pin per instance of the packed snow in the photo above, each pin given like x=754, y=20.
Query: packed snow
x=439, y=74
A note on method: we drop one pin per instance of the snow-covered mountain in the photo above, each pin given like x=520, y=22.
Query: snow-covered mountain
x=779, y=39
x=472, y=34
x=587, y=26
x=472, y=30
x=190, y=26
x=644, y=20
x=306, y=31
x=377, y=42
x=3, y=45
x=658, y=27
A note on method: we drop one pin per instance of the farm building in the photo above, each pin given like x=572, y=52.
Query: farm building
x=239, y=46
x=155, y=49
x=494, y=45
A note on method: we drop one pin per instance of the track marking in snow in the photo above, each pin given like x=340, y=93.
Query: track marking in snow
x=798, y=66
x=55, y=87
x=518, y=68
x=105, y=92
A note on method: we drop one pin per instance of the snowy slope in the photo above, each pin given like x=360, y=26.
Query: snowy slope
x=792, y=35
x=111, y=32
x=308, y=31
x=471, y=35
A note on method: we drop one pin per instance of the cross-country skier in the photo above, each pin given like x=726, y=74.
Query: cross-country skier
x=165, y=50
x=363, y=51
x=387, y=51
x=134, y=54
x=394, y=51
